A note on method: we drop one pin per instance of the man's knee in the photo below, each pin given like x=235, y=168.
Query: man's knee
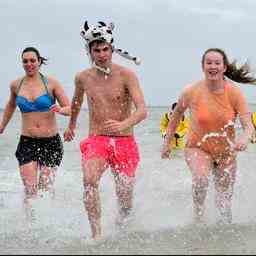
x=31, y=190
x=92, y=171
x=124, y=181
x=90, y=181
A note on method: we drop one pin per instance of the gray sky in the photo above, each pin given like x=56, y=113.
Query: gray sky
x=169, y=36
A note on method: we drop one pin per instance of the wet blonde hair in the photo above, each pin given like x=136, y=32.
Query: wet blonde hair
x=240, y=74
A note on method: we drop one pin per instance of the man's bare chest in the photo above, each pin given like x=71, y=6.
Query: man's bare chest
x=106, y=92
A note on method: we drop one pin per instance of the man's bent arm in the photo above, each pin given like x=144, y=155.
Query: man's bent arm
x=138, y=99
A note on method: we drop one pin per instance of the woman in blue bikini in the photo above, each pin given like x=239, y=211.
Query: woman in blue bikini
x=40, y=148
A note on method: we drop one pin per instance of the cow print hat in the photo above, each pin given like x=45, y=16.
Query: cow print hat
x=103, y=32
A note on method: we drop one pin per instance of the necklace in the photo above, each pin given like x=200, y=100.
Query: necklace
x=106, y=71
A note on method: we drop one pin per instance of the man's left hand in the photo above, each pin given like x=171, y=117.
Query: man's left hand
x=113, y=126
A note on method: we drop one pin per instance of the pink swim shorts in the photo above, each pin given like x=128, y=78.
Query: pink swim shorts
x=120, y=152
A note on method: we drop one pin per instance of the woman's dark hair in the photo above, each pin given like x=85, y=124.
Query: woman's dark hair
x=39, y=57
x=240, y=74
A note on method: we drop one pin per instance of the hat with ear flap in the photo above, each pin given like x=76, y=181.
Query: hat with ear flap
x=102, y=31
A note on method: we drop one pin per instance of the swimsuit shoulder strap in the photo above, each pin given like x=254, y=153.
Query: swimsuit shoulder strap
x=45, y=82
x=19, y=86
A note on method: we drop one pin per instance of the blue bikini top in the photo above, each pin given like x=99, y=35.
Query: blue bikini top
x=41, y=104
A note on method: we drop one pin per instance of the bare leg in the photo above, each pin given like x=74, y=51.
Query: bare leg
x=124, y=192
x=224, y=179
x=92, y=172
x=28, y=173
x=47, y=179
x=200, y=165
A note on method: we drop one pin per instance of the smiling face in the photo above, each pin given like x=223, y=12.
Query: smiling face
x=31, y=63
x=214, y=66
x=101, y=53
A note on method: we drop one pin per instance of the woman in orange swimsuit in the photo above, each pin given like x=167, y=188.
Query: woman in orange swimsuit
x=214, y=104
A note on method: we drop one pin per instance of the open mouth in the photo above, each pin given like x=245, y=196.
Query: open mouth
x=30, y=69
x=213, y=73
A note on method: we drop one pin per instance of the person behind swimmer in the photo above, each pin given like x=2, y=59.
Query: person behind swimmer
x=215, y=102
x=178, y=142
x=111, y=91
x=40, y=150
x=253, y=140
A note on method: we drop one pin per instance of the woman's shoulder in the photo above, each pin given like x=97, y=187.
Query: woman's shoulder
x=14, y=84
x=232, y=88
x=51, y=81
x=235, y=94
x=192, y=88
x=230, y=84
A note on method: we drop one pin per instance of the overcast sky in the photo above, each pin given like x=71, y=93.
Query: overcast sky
x=169, y=36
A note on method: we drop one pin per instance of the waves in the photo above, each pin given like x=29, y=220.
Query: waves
x=192, y=239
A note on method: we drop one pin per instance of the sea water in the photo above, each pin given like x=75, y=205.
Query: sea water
x=161, y=222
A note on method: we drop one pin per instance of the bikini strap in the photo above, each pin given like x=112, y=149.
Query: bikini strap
x=45, y=82
x=19, y=86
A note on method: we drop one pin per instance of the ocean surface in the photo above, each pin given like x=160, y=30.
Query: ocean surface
x=162, y=220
